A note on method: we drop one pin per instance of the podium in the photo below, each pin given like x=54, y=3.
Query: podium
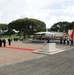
x=49, y=48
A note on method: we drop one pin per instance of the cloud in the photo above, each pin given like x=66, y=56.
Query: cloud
x=49, y=11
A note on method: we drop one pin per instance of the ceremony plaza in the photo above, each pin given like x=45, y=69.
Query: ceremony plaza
x=20, y=58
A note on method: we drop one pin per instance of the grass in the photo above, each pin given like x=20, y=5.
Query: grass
x=12, y=37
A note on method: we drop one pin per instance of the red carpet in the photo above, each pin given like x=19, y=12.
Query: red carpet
x=27, y=49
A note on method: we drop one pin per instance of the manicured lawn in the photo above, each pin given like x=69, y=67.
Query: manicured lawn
x=12, y=37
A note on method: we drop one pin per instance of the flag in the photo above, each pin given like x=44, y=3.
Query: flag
x=72, y=35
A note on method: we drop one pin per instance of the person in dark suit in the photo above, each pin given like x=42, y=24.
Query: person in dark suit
x=9, y=41
x=61, y=40
x=71, y=42
x=0, y=42
x=48, y=39
x=4, y=42
x=64, y=41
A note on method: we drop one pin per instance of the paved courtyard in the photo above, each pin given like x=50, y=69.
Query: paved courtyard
x=24, y=62
x=13, y=53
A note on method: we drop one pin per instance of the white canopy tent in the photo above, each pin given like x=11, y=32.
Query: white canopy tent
x=51, y=33
x=43, y=33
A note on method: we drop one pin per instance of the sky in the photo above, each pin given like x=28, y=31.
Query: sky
x=48, y=11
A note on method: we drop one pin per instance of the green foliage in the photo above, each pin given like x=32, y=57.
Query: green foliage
x=12, y=37
x=27, y=26
x=62, y=26
x=3, y=26
x=9, y=32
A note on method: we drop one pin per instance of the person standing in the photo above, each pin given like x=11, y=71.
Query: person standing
x=9, y=41
x=0, y=43
x=67, y=41
x=4, y=42
x=48, y=39
x=64, y=41
x=71, y=42
x=61, y=40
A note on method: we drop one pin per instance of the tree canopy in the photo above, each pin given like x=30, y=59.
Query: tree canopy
x=62, y=26
x=3, y=26
x=27, y=26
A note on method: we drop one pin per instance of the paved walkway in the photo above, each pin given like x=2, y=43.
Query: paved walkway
x=13, y=53
x=36, y=64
